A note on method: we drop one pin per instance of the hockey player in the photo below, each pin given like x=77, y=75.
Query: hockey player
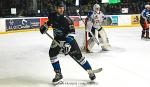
x=64, y=33
x=144, y=19
x=93, y=22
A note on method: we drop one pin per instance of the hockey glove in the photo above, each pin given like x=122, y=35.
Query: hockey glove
x=43, y=29
x=66, y=48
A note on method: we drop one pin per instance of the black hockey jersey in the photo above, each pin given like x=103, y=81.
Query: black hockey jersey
x=62, y=26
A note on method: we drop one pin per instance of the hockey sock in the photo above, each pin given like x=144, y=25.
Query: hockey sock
x=143, y=33
x=56, y=67
x=86, y=65
x=147, y=33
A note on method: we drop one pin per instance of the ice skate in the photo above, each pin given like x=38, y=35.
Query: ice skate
x=147, y=38
x=58, y=79
x=142, y=35
x=91, y=75
x=106, y=48
x=88, y=51
x=142, y=38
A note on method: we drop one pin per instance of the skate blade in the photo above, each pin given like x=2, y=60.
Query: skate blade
x=58, y=82
x=89, y=52
x=146, y=39
x=107, y=48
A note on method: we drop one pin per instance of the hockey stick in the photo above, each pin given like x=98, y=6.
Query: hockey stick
x=55, y=42
x=53, y=39
x=95, y=71
x=89, y=71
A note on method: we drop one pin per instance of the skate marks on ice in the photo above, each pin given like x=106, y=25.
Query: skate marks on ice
x=29, y=81
x=98, y=52
x=113, y=49
x=41, y=82
x=117, y=49
x=76, y=83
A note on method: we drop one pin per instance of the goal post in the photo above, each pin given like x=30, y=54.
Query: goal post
x=81, y=34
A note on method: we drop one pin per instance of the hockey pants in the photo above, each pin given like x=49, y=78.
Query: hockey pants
x=75, y=53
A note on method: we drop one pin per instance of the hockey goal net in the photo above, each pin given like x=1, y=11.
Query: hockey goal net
x=81, y=34
x=81, y=38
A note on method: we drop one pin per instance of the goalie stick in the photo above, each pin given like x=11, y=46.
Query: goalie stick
x=89, y=71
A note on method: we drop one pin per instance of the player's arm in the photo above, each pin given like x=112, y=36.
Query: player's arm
x=44, y=27
x=49, y=22
x=71, y=30
x=70, y=36
x=89, y=21
x=145, y=15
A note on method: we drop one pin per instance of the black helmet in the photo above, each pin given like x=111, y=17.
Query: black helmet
x=60, y=4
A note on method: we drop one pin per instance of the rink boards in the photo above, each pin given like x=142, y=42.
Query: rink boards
x=29, y=23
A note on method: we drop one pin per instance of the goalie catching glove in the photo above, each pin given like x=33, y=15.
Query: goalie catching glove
x=43, y=29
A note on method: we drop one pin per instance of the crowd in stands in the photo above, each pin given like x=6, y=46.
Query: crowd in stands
x=43, y=7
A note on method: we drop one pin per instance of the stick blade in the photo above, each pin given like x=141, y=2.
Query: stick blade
x=97, y=70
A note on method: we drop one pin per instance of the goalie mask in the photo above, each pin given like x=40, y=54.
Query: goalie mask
x=96, y=8
x=147, y=6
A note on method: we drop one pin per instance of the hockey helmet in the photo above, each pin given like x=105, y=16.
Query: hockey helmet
x=95, y=7
x=60, y=4
x=147, y=6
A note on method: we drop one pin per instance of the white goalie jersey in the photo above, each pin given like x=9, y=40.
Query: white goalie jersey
x=95, y=19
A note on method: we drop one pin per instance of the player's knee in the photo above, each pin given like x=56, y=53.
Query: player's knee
x=52, y=54
x=53, y=59
x=77, y=56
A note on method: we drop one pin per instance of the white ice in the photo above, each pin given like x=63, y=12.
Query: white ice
x=24, y=61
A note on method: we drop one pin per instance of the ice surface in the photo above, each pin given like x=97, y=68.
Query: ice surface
x=24, y=61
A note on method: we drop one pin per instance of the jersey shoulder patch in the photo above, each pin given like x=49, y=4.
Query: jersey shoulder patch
x=90, y=13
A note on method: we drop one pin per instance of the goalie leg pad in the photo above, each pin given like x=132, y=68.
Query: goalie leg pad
x=103, y=40
x=91, y=43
